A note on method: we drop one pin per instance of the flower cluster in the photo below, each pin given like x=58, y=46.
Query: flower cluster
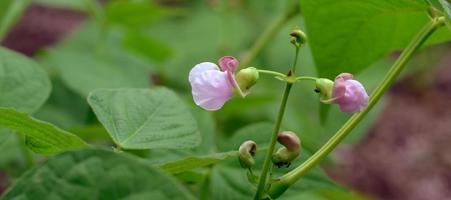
x=212, y=86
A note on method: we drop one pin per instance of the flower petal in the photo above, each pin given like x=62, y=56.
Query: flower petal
x=211, y=89
x=228, y=63
x=200, y=68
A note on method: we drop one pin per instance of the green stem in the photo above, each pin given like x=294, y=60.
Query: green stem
x=28, y=156
x=267, y=162
x=306, y=78
x=268, y=158
x=268, y=34
x=271, y=73
x=294, y=175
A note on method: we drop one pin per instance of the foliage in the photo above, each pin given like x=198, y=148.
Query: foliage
x=118, y=85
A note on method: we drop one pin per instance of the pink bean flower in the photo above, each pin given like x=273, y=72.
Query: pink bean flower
x=349, y=94
x=211, y=85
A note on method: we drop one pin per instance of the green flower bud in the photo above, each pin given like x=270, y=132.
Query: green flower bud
x=246, y=78
x=290, y=150
x=298, y=38
x=247, y=151
x=324, y=87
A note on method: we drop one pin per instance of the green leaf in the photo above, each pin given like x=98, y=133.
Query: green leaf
x=43, y=137
x=24, y=85
x=351, y=35
x=193, y=162
x=258, y=132
x=325, y=194
x=95, y=174
x=10, y=11
x=147, y=46
x=86, y=71
x=145, y=118
x=446, y=7
x=134, y=14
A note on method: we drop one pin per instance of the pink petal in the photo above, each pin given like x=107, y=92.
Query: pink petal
x=345, y=76
x=228, y=63
x=211, y=89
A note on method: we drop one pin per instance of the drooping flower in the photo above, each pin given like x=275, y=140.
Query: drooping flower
x=212, y=86
x=349, y=94
x=290, y=150
x=246, y=153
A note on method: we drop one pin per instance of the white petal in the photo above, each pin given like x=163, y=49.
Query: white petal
x=201, y=67
x=211, y=89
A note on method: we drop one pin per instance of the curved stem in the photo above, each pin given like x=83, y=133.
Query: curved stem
x=268, y=34
x=267, y=163
x=271, y=73
x=294, y=175
x=306, y=78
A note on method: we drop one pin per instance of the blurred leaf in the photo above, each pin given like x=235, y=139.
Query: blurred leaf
x=446, y=7
x=229, y=183
x=362, y=32
x=10, y=11
x=325, y=194
x=134, y=14
x=84, y=72
x=72, y=4
x=64, y=108
x=11, y=158
x=193, y=162
x=258, y=132
x=45, y=138
x=144, y=118
x=147, y=46
x=91, y=132
x=95, y=174
x=23, y=84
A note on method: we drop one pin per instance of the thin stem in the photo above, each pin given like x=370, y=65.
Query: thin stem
x=293, y=68
x=268, y=34
x=271, y=73
x=267, y=163
x=294, y=175
x=306, y=78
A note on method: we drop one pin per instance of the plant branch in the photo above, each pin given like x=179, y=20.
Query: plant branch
x=268, y=158
x=290, y=178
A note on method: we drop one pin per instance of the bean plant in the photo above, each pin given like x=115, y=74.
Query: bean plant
x=94, y=117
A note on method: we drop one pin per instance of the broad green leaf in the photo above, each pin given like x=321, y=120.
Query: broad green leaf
x=147, y=46
x=10, y=11
x=95, y=174
x=24, y=85
x=134, y=14
x=64, y=107
x=351, y=35
x=85, y=71
x=193, y=162
x=43, y=137
x=145, y=118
